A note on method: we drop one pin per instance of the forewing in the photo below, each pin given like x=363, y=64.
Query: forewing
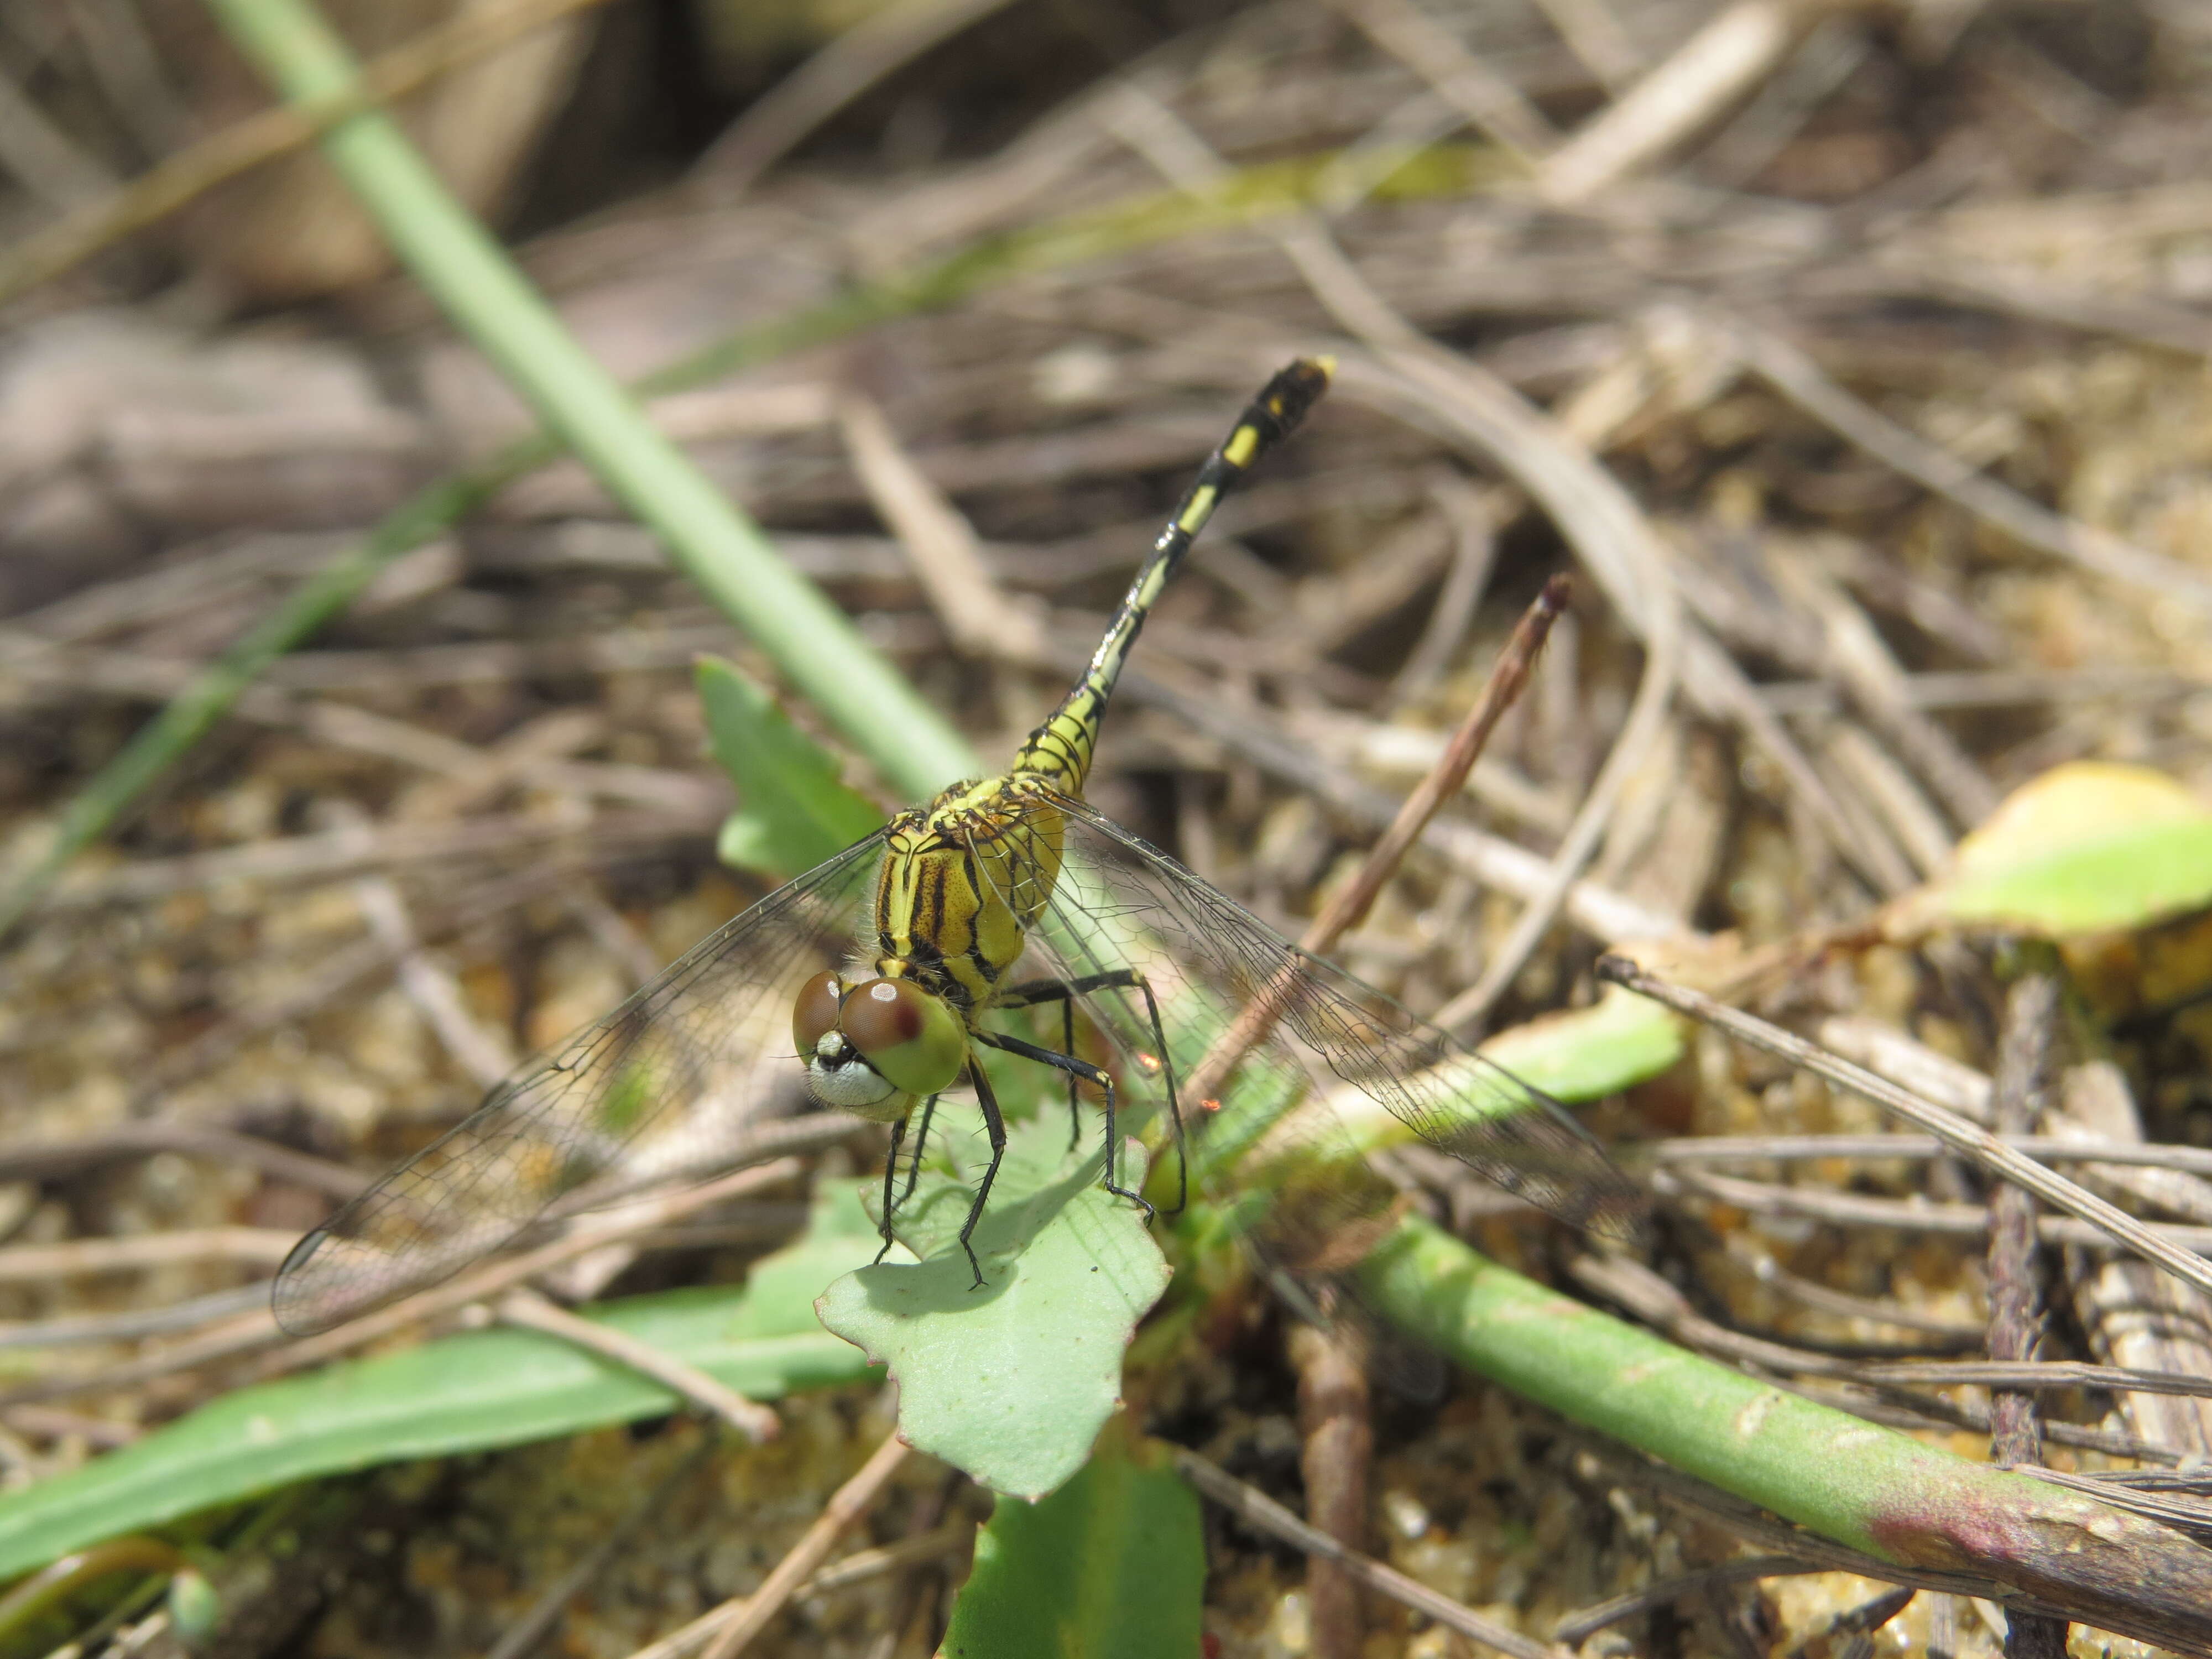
x=1120, y=902
x=655, y=1089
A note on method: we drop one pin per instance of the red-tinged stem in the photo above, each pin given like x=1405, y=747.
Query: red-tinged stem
x=1869, y=1487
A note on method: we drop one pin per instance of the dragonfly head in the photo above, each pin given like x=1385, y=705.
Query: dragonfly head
x=874, y=1048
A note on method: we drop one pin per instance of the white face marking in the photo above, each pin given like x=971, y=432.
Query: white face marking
x=843, y=1081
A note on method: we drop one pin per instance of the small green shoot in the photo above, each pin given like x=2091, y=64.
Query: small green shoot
x=1587, y=1054
x=796, y=810
x=1110, y=1566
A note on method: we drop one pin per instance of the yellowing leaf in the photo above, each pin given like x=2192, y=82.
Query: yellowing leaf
x=2088, y=847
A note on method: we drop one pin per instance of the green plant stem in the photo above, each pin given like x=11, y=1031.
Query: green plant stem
x=1860, y=1483
x=809, y=638
x=46, y=1592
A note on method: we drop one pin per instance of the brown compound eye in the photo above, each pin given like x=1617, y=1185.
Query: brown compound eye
x=910, y=1037
x=883, y=1013
x=814, y=1012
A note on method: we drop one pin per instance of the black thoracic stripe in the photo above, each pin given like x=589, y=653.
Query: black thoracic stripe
x=930, y=902
x=974, y=877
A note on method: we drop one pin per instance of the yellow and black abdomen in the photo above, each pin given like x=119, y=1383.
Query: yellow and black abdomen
x=964, y=879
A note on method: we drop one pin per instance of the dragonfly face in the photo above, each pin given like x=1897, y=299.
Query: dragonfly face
x=874, y=1048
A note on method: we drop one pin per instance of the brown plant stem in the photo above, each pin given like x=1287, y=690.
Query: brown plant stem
x=1350, y=902
x=1338, y=1450
x=2023, y=1075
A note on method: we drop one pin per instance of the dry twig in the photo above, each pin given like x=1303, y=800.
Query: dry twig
x=1708, y=73
x=726, y=1630
x=532, y=1311
x=1255, y=1508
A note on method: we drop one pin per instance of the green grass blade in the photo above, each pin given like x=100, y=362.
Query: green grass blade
x=481, y=290
x=471, y=1392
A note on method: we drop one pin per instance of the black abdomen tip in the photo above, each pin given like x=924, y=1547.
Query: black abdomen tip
x=1296, y=388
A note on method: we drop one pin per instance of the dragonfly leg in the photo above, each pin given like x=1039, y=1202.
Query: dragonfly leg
x=913, y=1166
x=1067, y=1046
x=1089, y=1073
x=995, y=1126
x=1167, y=1075
x=1034, y=993
x=890, y=1170
x=1065, y=991
x=920, y=1139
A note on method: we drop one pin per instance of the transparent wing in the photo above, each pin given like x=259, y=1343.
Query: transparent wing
x=1340, y=1050
x=655, y=1089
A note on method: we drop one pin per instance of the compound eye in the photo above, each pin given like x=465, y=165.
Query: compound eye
x=912, y=1037
x=814, y=1012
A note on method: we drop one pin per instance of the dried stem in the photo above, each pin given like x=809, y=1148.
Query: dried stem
x=182, y=178
x=1508, y=677
x=1255, y=1508
x=532, y=1311
x=2015, y=1297
x=2023, y=1077
x=846, y=1505
x=1337, y=1451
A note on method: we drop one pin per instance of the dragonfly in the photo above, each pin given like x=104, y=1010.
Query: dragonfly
x=883, y=979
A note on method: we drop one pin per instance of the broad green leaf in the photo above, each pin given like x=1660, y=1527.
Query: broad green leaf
x=795, y=811
x=1587, y=1054
x=1011, y=1380
x=2088, y=847
x=469, y=1392
x=1110, y=1566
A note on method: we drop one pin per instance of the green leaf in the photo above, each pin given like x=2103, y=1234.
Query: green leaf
x=464, y=1393
x=796, y=810
x=1011, y=1380
x=1586, y=1054
x=1110, y=1566
x=1583, y=1054
x=2088, y=847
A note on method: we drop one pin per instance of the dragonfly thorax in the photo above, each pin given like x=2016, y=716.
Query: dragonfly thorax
x=873, y=1047
x=962, y=880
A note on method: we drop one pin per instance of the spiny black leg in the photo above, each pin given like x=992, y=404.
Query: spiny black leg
x=920, y=1139
x=890, y=1170
x=995, y=1126
x=1084, y=1069
x=1174, y=1109
x=1037, y=991
x=1119, y=979
x=1067, y=1046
